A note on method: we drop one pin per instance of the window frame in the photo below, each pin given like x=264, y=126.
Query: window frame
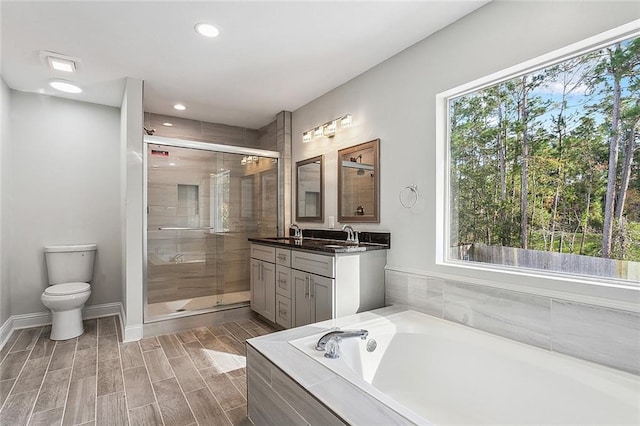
x=610, y=292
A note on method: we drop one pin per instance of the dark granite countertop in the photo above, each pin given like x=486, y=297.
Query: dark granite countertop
x=330, y=241
x=329, y=246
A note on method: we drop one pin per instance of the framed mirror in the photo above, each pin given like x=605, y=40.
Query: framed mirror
x=310, y=190
x=359, y=183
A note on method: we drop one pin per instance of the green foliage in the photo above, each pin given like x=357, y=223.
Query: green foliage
x=568, y=125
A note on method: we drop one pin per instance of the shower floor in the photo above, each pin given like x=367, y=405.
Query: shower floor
x=196, y=303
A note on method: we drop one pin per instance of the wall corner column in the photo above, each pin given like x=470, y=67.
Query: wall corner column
x=132, y=219
x=283, y=138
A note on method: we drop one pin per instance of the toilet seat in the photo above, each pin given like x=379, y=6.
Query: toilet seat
x=67, y=289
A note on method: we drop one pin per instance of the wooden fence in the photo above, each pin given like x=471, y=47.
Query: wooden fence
x=546, y=260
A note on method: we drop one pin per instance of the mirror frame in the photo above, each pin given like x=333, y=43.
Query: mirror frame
x=375, y=218
x=299, y=164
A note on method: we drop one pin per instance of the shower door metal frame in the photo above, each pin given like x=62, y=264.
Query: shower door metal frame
x=203, y=146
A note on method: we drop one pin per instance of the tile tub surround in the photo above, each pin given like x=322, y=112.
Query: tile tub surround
x=606, y=336
x=298, y=390
x=287, y=386
x=182, y=378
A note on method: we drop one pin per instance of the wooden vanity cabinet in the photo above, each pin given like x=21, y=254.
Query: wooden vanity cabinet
x=310, y=287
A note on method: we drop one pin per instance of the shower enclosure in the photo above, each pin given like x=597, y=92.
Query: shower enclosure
x=203, y=202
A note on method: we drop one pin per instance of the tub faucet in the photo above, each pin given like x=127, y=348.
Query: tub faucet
x=336, y=336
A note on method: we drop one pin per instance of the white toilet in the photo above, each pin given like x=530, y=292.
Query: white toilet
x=70, y=268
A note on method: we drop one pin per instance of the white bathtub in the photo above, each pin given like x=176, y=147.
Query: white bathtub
x=435, y=371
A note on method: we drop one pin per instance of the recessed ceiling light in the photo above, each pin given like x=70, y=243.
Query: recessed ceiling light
x=180, y=107
x=65, y=86
x=167, y=124
x=207, y=30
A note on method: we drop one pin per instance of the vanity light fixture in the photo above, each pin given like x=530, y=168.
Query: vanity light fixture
x=179, y=107
x=327, y=129
x=65, y=86
x=249, y=159
x=167, y=124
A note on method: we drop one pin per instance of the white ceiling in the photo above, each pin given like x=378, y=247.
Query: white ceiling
x=270, y=56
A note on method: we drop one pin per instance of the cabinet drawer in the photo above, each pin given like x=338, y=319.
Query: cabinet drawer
x=283, y=311
x=266, y=253
x=314, y=263
x=283, y=257
x=283, y=281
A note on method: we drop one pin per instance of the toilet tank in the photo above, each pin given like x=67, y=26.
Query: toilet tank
x=70, y=263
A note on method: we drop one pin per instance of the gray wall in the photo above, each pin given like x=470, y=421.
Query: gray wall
x=5, y=170
x=395, y=101
x=65, y=182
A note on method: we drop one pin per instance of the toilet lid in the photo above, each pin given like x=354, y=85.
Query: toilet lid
x=67, y=288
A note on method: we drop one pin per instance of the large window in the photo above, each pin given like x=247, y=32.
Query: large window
x=543, y=169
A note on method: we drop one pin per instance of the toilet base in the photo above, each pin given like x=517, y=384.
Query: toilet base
x=67, y=324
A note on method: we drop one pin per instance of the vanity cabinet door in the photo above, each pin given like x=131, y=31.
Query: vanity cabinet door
x=313, y=298
x=322, y=297
x=263, y=289
x=302, y=313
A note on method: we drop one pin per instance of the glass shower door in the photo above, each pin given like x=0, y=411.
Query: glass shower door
x=201, y=207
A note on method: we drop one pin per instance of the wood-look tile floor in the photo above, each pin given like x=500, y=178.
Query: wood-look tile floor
x=194, y=377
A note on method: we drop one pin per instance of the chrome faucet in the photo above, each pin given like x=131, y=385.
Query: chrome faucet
x=297, y=231
x=352, y=236
x=331, y=340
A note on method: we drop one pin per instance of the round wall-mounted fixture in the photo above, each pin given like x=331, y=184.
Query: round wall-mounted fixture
x=179, y=107
x=207, y=30
x=65, y=86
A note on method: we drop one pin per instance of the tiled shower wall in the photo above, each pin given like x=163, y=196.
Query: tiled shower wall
x=606, y=336
x=183, y=128
x=191, y=276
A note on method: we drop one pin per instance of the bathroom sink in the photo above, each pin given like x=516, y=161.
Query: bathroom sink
x=334, y=246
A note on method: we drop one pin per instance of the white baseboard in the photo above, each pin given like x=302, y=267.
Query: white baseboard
x=129, y=333
x=5, y=331
x=132, y=333
x=17, y=322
